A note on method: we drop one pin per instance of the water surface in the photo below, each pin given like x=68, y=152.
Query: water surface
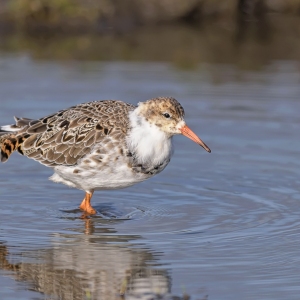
x=224, y=225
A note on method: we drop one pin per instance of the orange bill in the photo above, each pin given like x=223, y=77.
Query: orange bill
x=186, y=131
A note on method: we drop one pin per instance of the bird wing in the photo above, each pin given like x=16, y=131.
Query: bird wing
x=68, y=135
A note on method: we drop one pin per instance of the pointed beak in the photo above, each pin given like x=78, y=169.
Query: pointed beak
x=186, y=131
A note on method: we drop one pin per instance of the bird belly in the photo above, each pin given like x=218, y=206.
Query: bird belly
x=92, y=175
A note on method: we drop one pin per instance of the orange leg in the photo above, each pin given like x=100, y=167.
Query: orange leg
x=86, y=204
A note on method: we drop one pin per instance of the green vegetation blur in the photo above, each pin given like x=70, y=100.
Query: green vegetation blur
x=246, y=33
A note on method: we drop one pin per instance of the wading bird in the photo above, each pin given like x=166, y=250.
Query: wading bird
x=101, y=145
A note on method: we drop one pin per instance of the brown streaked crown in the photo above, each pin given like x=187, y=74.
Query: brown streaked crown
x=155, y=110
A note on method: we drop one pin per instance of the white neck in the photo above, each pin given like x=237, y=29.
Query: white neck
x=149, y=144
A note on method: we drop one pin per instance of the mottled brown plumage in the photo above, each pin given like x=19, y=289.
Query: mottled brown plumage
x=67, y=136
x=101, y=144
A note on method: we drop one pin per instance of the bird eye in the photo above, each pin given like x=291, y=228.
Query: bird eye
x=166, y=115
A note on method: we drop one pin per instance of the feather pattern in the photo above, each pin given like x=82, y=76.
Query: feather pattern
x=101, y=144
x=65, y=137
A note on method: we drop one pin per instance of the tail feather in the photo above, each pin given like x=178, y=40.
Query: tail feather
x=20, y=124
x=8, y=146
x=10, y=140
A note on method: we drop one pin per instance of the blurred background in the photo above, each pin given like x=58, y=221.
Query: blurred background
x=222, y=226
x=247, y=34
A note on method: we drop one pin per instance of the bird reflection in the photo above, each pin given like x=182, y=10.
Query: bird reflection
x=94, y=263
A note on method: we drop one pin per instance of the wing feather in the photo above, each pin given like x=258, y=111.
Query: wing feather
x=67, y=136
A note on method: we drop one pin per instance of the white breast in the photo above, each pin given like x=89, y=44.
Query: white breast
x=150, y=145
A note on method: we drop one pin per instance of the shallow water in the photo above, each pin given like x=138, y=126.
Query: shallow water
x=224, y=225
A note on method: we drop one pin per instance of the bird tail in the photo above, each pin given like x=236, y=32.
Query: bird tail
x=8, y=143
x=10, y=140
